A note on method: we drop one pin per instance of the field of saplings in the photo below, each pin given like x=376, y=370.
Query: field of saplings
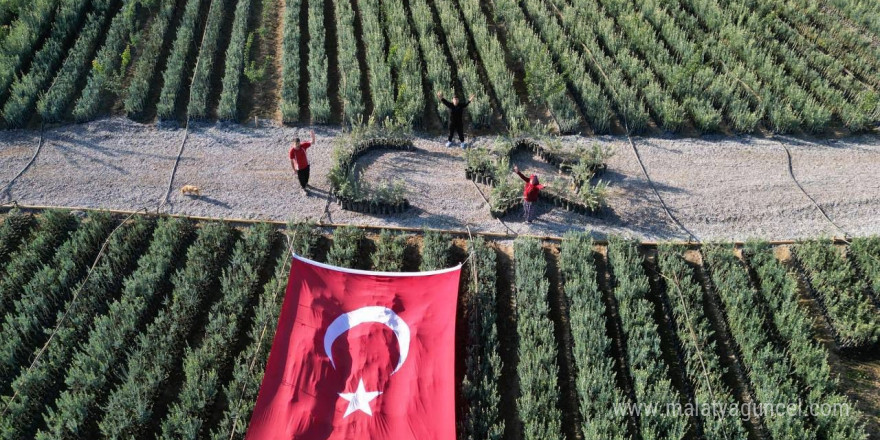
x=592, y=66
x=145, y=327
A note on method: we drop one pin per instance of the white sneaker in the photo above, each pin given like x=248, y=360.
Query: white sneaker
x=448, y=144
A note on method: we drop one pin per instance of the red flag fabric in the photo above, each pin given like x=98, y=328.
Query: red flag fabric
x=361, y=355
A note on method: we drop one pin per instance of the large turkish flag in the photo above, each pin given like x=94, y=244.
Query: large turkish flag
x=361, y=355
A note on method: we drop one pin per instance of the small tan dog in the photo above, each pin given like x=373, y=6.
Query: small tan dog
x=190, y=190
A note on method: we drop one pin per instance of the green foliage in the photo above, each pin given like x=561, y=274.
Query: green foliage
x=240, y=393
x=492, y=55
x=591, y=347
x=54, y=102
x=22, y=36
x=833, y=278
x=546, y=85
x=15, y=228
x=110, y=63
x=650, y=374
x=319, y=102
x=236, y=55
x=344, y=178
x=40, y=383
x=290, y=62
x=185, y=42
x=89, y=374
x=778, y=290
x=388, y=256
x=436, y=250
x=202, y=366
x=200, y=89
x=144, y=69
x=701, y=361
x=508, y=187
x=864, y=251
x=481, y=418
x=768, y=369
x=450, y=28
x=537, y=369
x=49, y=288
x=480, y=160
x=52, y=230
x=381, y=85
x=128, y=410
x=302, y=237
x=437, y=67
x=254, y=69
x=589, y=159
x=25, y=89
x=406, y=63
x=346, y=242
x=387, y=191
x=349, y=69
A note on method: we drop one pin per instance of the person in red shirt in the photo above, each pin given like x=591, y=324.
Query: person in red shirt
x=530, y=192
x=300, y=162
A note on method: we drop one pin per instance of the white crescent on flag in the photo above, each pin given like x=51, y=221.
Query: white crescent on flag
x=365, y=315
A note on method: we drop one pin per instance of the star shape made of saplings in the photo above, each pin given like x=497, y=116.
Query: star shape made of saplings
x=359, y=400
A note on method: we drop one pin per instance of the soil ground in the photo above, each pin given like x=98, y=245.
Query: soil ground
x=719, y=188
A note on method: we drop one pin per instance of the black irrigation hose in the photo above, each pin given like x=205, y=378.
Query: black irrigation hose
x=798, y=183
x=636, y=151
x=174, y=168
x=5, y=191
x=186, y=127
x=657, y=193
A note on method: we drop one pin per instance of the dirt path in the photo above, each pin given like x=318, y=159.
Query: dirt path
x=718, y=187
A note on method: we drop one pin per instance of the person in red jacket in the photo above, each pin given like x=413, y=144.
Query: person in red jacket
x=530, y=192
x=300, y=162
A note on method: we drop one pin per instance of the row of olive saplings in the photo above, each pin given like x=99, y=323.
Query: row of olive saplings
x=670, y=94
x=842, y=293
x=576, y=60
x=743, y=108
x=739, y=95
x=544, y=82
x=28, y=88
x=22, y=35
x=36, y=280
x=840, y=38
x=808, y=106
x=128, y=407
x=749, y=312
x=538, y=401
x=90, y=376
x=599, y=401
x=404, y=104
x=34, y=382
x=44, y=292
x=836, y=90
x=188, y=40
x=859, y=12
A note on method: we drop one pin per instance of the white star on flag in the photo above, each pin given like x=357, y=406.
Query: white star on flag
x=359, y=400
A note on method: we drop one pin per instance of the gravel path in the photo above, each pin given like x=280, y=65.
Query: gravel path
x=719, y=188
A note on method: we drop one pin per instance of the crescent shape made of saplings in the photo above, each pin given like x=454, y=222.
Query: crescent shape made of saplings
x=365, y=315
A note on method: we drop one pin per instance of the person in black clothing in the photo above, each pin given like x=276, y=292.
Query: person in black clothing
x=456, y=117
